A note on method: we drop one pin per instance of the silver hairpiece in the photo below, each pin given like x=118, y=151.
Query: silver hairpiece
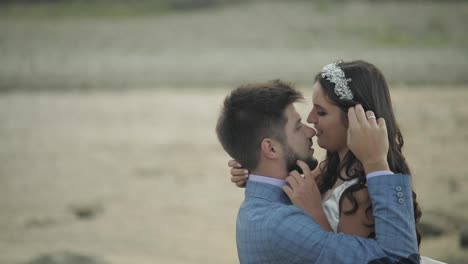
x=336, y=75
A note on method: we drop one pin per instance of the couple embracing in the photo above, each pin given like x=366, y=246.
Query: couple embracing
x=356, y=206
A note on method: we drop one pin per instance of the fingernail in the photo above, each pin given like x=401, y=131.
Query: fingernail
x=246, y=172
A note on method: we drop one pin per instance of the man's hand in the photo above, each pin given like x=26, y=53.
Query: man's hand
x=367, y=139
x=304, y=193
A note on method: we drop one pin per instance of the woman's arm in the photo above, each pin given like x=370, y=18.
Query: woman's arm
x=239, y=175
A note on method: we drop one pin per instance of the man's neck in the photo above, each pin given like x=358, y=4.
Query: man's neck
x=271, y=170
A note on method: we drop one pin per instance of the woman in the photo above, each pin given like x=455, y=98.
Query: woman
x=340, y=176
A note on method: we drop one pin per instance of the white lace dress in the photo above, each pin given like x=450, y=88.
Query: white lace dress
x=330, y=204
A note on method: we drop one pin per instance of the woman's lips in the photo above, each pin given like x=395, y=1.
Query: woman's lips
x=319, y=132
x=314, y=129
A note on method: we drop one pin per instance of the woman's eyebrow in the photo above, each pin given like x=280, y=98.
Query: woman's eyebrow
x=319, y=106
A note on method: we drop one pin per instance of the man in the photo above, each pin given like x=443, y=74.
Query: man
x=260, y=128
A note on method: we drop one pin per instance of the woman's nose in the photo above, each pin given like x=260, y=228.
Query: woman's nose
x=311, y=118
x=311, y=132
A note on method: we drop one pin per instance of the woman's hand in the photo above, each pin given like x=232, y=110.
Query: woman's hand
x=367, y=138
x=239, y=175
x=304, y=193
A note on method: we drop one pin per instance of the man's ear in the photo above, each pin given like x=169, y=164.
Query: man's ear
x=270, y=148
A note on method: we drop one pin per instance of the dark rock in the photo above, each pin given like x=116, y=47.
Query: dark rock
x=430, y=229
x=434, y=225
x=86, y=211
x=464, y=238
x=454, y=260
x=40, y=222
x=65, y=258
x=191, y=4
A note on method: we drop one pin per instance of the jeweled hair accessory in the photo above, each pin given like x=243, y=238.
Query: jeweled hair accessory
x=336, y=75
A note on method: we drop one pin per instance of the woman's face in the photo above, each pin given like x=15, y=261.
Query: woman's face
x=328, y=120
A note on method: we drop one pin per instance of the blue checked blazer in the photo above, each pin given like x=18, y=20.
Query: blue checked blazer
x=272, y=230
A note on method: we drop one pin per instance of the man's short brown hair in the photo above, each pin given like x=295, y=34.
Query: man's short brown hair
x=251, y=113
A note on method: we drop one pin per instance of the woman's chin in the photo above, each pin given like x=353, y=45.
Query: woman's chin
x=325, y=146
x=321, y=144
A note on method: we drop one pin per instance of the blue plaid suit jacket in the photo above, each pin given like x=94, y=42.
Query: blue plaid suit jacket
x=272, y=230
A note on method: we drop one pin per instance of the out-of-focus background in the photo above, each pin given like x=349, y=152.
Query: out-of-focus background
x=107, y=111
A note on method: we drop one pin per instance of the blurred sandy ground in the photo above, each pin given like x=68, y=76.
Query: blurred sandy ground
x=147, y=162
x=139, y=177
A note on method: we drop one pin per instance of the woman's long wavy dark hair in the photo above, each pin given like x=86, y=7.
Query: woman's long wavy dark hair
x=370, y=89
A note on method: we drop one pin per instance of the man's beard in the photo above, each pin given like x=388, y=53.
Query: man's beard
x=291, y=161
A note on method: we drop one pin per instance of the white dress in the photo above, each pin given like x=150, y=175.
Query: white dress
x=331, y=204
x=331, y=208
